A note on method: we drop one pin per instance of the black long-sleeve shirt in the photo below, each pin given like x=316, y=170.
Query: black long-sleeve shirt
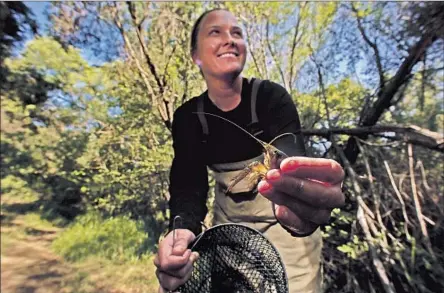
x=225, y=143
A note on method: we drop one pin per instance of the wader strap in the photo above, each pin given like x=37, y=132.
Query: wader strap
x=254, y=119
x=256, y=84
x=202, y=119
x=254, y=124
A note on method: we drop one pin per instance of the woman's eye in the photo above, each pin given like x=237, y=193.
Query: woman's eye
x=212, y=32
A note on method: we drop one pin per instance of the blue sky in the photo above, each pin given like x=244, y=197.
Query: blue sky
x=38, y=8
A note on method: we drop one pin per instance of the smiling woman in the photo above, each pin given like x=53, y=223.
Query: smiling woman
x=218, y=46
x=265, y=109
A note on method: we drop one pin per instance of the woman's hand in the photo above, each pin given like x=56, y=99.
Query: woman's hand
x=174, y=261
x=305, y=191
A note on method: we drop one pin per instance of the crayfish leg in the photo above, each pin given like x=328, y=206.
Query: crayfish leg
x=252, y=173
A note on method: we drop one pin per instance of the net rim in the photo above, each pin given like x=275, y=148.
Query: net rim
x=219, y=226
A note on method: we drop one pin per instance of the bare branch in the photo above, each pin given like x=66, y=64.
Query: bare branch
x=296, y=40
x=386, y=93
x=165, y=70
x=411, y=134
x=321, y=84
x=375, y=195
x=264, y=53
x=372, y=45
x=132, y=54
x=418, y=207
x=250, y=49
x=377, y=263
x=424, y=177
x=273, y=54
x=144, y=75
x=132, y=10
x=401, y=201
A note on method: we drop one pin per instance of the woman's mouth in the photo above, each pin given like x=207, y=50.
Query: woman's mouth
x=228, y=54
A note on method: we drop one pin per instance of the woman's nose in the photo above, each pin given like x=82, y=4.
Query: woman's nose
x=228, y=39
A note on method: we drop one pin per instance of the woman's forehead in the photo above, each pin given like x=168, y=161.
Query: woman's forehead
x=219, y=18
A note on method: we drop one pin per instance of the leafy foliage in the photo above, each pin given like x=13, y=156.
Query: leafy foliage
x=118, y=239
x=86, y=114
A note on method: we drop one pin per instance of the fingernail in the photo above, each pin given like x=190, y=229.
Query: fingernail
x=273, y=174
x=290, y=165
x=320, y=182
x=194, y=256
x=284, y=212
x=263, y=186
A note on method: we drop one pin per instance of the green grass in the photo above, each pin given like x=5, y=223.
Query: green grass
x=118, y=238
x=35, y=221
x=128, y=276
x=104, y=255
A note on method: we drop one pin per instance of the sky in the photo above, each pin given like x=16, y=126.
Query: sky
x=38, y=8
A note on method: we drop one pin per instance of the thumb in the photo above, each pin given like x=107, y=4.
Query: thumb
x=180, y=246
x=180, y=243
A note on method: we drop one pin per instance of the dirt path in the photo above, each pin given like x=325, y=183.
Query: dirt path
x=29, y=266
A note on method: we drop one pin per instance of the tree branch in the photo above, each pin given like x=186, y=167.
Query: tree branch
x=273, y=55
x=386, y=93
x=401, y=201
x=143, y=74
x=321, y=84
x=132, y=10
x=247, y=31
x=418, y=207
x=294, y=44
x=377, y=263
x=372, y=45
x=410, y=134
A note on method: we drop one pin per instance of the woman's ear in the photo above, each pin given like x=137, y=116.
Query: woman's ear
x=197, y=60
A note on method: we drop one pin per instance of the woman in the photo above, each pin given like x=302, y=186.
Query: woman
x=304, y=190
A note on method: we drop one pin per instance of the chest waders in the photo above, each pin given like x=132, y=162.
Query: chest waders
x=301, y=255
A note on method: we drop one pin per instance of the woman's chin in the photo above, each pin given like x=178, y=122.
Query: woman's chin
x=230, y=71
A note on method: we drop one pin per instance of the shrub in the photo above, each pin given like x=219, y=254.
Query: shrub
x=118, y=238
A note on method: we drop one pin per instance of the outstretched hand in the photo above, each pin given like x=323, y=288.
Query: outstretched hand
x=305, y=191
x=174, y=261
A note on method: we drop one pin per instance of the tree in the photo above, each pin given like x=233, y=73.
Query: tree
x=366, y=79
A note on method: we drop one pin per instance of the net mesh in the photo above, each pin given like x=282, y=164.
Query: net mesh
x=236, y=259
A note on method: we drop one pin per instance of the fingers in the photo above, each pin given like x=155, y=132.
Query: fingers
x=170, y=280
x=182, y=239
x=171, y=283
x=308, y=191
x=324, y=170
x=173, y=255
x=174, y=261
x=162, y=290
x=304, y=211
x=292, y=221
x=183, y=271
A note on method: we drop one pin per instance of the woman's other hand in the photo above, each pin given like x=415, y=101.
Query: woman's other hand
x=174, y=261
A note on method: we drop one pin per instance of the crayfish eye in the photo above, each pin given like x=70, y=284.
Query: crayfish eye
x=278, y=154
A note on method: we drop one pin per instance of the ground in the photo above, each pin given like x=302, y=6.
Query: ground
x=28, y=265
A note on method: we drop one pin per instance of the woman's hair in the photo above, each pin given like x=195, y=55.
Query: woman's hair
x=196, y=28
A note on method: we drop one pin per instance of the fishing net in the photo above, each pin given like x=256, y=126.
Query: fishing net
x=235, y=259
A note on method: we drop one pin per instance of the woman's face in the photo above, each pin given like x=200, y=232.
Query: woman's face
x=221, y=47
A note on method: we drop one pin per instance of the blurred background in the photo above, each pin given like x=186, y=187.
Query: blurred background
x=88, y=92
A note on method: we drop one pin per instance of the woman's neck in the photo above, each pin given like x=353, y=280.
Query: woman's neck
x=225, y=93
